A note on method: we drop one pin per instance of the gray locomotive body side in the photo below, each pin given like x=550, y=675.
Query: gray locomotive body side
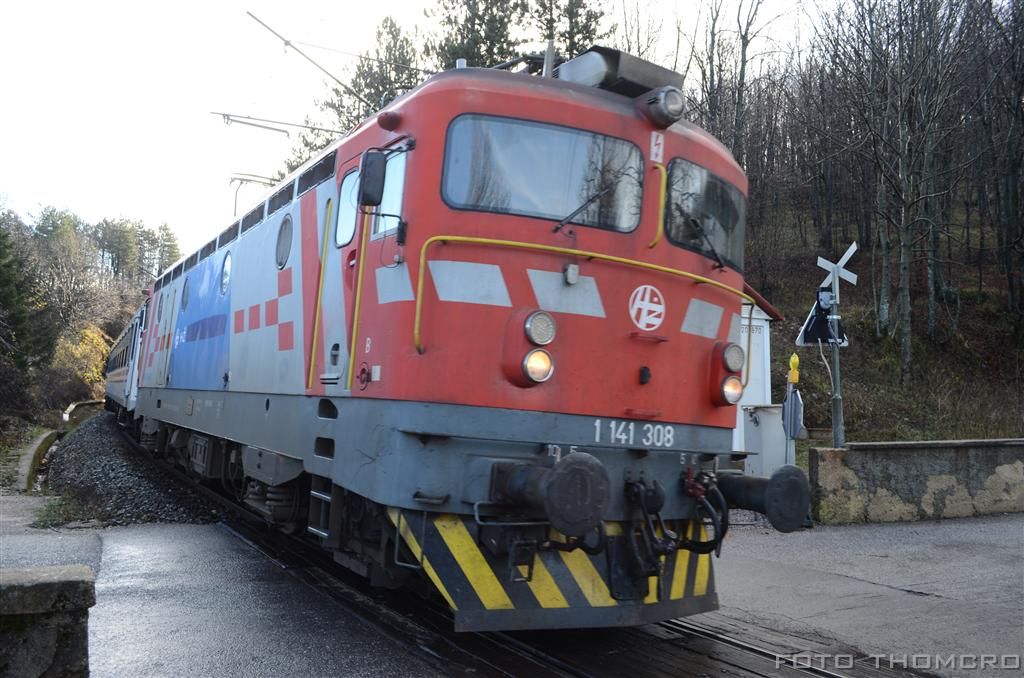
x=419, y=456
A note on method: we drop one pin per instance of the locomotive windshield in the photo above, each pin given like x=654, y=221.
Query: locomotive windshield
x=534, y=169
x=704, y=213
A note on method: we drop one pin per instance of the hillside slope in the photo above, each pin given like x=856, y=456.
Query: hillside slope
x=967, y=382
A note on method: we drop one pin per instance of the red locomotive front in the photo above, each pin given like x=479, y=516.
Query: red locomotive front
x=510, y=361
x=631, y=339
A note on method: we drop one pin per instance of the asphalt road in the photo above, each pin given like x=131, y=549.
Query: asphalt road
x=195, y=600
x=904, y=589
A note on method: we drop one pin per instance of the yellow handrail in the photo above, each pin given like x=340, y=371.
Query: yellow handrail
x=319, y=295
x=359, y=300
x=661, y=204
x=572, y=252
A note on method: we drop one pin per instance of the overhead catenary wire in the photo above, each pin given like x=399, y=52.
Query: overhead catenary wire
x=289, y=43
x=232, y=117
x=367, y=58
x=253, y=178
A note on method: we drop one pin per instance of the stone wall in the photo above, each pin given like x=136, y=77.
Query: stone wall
x=44, y=615
x=886, y=482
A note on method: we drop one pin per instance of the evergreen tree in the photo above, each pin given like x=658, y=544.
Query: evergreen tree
x=119, y=246
x=168, y=248
x=380, y=75
x=580, y=27
x=28, y=332
x=148, y=257
x=14, y=334
x=52, y=222
x=309, y=143
x=575, y=25
x=479, y=31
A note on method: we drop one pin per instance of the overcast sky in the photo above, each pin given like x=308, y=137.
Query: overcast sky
x=106, y=104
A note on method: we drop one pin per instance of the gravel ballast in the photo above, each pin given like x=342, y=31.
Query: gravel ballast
x=96, y=467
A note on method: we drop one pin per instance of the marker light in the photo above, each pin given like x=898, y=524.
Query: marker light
x=732, y=357
x=389, y=120
x=537, y=365
x=732, y=389
x=540, y=328
x=665, y=106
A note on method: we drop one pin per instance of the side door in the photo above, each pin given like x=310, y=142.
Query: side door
x=170, y=312
x=340, y=251
x=135, y=371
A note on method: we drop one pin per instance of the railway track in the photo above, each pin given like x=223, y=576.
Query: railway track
x=676, y=648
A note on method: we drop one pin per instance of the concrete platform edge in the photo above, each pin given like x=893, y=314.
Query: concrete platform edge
x=29, y=458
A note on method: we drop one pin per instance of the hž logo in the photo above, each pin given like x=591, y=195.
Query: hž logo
x=647, y=307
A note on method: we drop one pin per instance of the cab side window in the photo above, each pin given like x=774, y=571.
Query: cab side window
x=348, y=209
x=391, y=203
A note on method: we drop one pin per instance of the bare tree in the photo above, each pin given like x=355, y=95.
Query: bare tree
x=899, y=69
x=640, y=28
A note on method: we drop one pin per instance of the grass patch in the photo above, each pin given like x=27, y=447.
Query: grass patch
x=63, y=510
x=802, y=447
x=967, y=382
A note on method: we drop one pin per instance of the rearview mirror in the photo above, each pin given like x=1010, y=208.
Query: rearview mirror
x=372, y=169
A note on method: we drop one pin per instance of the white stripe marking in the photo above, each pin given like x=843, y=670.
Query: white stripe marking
x=554, y=295
x=393, y=284
x=469, y=283
x=702, y=319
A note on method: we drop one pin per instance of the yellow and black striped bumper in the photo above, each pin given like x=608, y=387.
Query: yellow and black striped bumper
x=568, y=589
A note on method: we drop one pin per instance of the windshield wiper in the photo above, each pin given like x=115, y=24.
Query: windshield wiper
x=586, y=203
x=703, y=234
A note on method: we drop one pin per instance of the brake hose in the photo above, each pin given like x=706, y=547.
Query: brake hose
x=719, y=523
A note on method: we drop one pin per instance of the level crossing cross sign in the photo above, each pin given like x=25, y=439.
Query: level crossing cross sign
x=837, y=269
x=828, y=303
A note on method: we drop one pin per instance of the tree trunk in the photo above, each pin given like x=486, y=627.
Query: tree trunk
x=928, y=206
x=1013, y=240
x=906, y=254
x=885, y=284
x=982, y=213
x=825, y=234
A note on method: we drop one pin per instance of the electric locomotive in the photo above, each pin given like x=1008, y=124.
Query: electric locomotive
x=487, y=344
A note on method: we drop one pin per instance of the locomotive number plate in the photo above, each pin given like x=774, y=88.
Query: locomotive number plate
x=633, y=433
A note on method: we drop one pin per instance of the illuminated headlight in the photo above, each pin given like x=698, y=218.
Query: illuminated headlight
x=733, y=357
x=732, y=389
x=540, y=328
x=537, y=365
x=665, y=106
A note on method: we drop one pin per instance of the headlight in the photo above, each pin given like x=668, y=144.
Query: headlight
x=537, y=365
x=540, y=328
x=732, y=389
x=665, y=106
x=733, y=357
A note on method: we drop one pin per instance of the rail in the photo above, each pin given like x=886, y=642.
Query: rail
x=515, y=244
